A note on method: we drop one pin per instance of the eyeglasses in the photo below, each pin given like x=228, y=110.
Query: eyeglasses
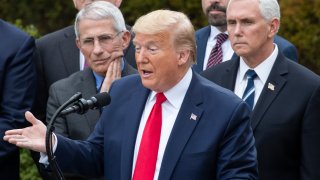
x=104, y=40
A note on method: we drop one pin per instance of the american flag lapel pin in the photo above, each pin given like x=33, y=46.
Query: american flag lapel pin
x=193, y=117
x=271, y=86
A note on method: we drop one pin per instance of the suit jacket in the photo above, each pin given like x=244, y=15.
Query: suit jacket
x=285, y=120
x=57, y=57
x=76, y=126
x=203, y=34
x=217, y=143
x=17, y=91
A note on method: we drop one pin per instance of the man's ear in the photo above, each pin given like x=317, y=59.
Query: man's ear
x=274, y=27
x=183, y=57
x=78, y=43
x=126, y=39
x=118, y=3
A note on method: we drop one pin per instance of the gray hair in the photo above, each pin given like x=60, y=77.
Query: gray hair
x=101, y=10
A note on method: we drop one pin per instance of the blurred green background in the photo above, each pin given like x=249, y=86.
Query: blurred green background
x=300, y=24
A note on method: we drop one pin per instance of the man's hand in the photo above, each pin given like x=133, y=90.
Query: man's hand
x=32, y=137
x=113, y=72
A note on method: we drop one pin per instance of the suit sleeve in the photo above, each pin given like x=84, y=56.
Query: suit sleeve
x=310, y=161
x=18, y=83
x=52, y=105
x=237, y=157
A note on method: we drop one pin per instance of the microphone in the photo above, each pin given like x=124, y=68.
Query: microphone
x=82, y=106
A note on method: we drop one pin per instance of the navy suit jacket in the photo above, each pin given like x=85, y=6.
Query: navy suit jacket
x=17, y=91
x=202, y=35
x=218, y=144
x=285, y=121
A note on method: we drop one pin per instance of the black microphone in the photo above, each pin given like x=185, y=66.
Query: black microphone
x=82, y=106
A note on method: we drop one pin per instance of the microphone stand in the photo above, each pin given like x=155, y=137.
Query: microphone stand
x=50, y=128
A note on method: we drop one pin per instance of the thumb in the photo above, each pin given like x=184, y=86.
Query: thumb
x=30, y=118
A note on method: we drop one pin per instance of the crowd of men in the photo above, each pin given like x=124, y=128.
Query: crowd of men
x=228, y=101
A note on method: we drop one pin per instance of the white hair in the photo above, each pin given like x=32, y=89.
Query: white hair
x=100, y=10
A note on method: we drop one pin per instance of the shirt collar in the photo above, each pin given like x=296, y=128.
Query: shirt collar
x=214, y=32
x=263, y=69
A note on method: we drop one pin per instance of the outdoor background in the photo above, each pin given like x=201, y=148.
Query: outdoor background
x=300, y=24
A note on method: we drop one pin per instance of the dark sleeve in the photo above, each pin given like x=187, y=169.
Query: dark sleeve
x=18, y=78
x=310, y=160
x=237, y=158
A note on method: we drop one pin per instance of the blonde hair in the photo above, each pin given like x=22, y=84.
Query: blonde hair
x=177, y=23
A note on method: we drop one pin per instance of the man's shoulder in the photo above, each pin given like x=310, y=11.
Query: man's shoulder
x=203, y=30
x=70, y=80
x=57, y=35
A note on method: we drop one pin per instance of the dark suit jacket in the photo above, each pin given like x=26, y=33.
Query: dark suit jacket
x=202, y=35
x=17, y=91
x=285, y=121
x=57, y=57
x=217, y=145
x=76, y=126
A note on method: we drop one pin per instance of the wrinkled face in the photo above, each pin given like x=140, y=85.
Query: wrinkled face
x=98, y=40
x=157, y=61
x=79, y=4
x=215, y=10
x=249, y=32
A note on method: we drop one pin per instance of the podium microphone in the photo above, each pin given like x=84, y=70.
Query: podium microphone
x=82, y=106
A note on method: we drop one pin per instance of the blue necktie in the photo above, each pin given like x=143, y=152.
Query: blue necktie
x=248, y=95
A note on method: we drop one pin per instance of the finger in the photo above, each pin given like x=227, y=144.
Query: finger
x=30, y=118
x=14, y=132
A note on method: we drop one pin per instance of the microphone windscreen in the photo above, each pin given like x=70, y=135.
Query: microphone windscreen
x=103, y=99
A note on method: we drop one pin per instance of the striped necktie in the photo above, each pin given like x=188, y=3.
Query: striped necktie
x=216, y=52
x=248, y=95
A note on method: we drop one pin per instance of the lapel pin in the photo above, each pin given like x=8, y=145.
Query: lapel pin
x=271, y=86
x=193, y=117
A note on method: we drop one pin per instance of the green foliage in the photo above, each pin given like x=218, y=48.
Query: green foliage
x=300, y=24
x=28, y=170
x=30, y=29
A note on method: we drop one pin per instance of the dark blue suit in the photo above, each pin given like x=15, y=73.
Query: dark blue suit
x=285, y=120
x=17, y=91
x=202, y=35
x=217, y=145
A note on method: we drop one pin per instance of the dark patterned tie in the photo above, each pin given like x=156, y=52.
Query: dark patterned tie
x=149, y=145
x=248, y=95
x=216, y=52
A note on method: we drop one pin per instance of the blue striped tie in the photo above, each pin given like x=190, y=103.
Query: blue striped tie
x=248, y=95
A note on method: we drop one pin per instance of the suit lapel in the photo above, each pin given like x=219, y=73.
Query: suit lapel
x=187, y=119
x=271, y=89
x=201, y=48
x=70, y=52
x=88, y=88
x=228, y=78
x=136, y=106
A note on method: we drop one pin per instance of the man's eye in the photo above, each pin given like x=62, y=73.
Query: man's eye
x=87, y=41
x=104, y=38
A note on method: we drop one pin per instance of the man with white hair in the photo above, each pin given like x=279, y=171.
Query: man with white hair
x=284, y=96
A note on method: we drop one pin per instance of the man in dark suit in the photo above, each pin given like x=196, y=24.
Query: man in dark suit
x=94, y=22
x=17, y=93
x=57, y=56
x=215, y=10
x=285, y=118
x=200, y=131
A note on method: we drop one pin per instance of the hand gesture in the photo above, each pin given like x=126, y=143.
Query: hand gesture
x=32, y=137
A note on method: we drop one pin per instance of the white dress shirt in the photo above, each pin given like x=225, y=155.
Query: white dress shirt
x=226, y=47
x=170, y=110
x=262, y=70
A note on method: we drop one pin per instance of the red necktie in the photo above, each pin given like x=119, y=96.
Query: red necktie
x=216, y=52
x=149, y=145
